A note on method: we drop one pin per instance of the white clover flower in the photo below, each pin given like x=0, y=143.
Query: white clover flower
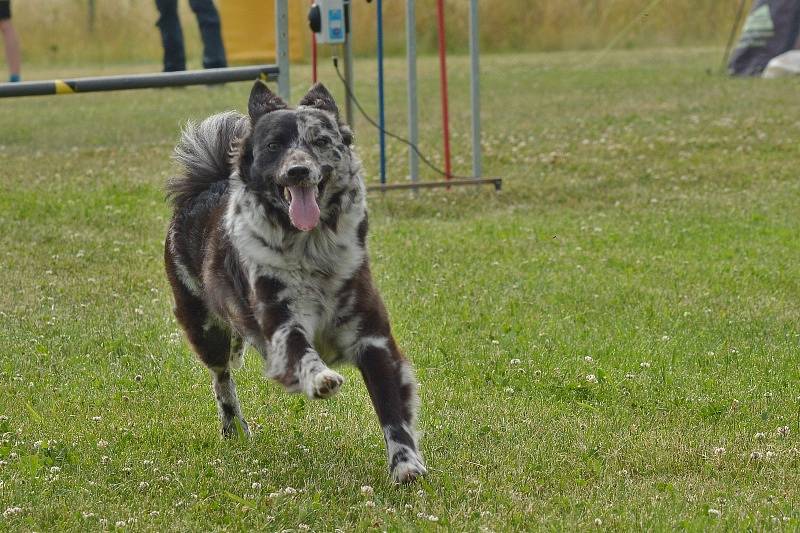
x=716, y=513
x=105, y=460
x=274, y=495
x=588, y=359
x=256, y=485
x=644, y=364
x=369, y=503
x=87, y=515
x=102, y=443
x=433, y=518
x=719, y=451
x=598, y=522
x=121, y=523
x=13, y=455
x=154, y=513
x=591, y=378
x=37, y=444
x=144, y=485
x=11, y=511
x=629, y=376
x=289, y=490
x=514, y=362
x=303, y=527
x=366, y=489
x=783, y=431
x=55, y=469
x=769, y=455
x=97, y=418
x=760, y=436
x=755, y=456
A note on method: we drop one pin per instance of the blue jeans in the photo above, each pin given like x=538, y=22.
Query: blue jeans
x=172, y=34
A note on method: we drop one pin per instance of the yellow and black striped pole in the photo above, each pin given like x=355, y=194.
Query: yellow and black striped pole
x=140, y=81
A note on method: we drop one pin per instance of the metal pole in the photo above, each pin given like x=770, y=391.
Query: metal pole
x=348, y=63
x=282, y=48
x=411, y=53
x=381, y=115
x=92, y=15
x=475, y=97
x=140, y=81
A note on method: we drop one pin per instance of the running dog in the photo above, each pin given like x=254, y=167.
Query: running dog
x=267, y=247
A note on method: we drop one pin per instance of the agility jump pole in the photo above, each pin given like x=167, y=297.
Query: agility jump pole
x=443, y=88
x=139, y=81
x=474, y=85
x=381, y=114
x=413, y=130
x=411, y=57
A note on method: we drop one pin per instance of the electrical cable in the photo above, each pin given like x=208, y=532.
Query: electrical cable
x=411, y=145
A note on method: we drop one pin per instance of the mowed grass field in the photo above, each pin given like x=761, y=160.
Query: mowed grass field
x=611, y=342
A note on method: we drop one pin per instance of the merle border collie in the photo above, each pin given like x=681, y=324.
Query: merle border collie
x=267, y=247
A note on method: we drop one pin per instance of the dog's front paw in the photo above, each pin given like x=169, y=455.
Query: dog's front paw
x=406, y=466
x=325, y=384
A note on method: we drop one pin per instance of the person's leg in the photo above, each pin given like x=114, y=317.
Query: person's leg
x=171, y=35
x=211, y=33
x=11, y=41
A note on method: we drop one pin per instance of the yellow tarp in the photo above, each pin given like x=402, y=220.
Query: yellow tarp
x=248, y=30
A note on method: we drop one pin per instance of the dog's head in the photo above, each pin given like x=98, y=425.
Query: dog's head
x=292, y=157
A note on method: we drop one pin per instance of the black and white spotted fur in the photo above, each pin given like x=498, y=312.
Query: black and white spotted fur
x=244, y=270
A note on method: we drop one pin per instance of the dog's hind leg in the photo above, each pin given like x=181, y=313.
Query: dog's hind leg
x=211, y=341
x=237, y=351
x=230, y=413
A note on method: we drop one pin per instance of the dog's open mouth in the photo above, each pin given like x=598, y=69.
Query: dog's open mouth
x=303, y=206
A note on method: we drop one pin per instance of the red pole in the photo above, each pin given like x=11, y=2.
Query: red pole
x=313, y=54
x=443, y=83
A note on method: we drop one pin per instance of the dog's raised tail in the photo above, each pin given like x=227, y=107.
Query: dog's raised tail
x=204, y=153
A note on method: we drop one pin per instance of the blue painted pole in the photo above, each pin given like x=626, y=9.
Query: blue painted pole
x=381, y=117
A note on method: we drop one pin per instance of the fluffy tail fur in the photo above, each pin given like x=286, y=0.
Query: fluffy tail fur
x=204, y=152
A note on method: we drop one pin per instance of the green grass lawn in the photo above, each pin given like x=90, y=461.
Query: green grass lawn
x=611, y=341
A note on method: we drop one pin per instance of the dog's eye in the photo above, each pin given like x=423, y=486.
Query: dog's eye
x=321, y=142
x=273, y=147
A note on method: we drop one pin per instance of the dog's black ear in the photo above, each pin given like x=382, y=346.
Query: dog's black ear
x=319, y=97
x=263, y=101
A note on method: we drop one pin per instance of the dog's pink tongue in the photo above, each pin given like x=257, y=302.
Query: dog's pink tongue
x=303, y=211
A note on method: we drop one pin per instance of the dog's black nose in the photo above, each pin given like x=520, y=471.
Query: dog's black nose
x=298, y=172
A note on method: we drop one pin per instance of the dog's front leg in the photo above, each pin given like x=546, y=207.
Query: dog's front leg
x=289, y=355
x=393, y=389
x=293, y=361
